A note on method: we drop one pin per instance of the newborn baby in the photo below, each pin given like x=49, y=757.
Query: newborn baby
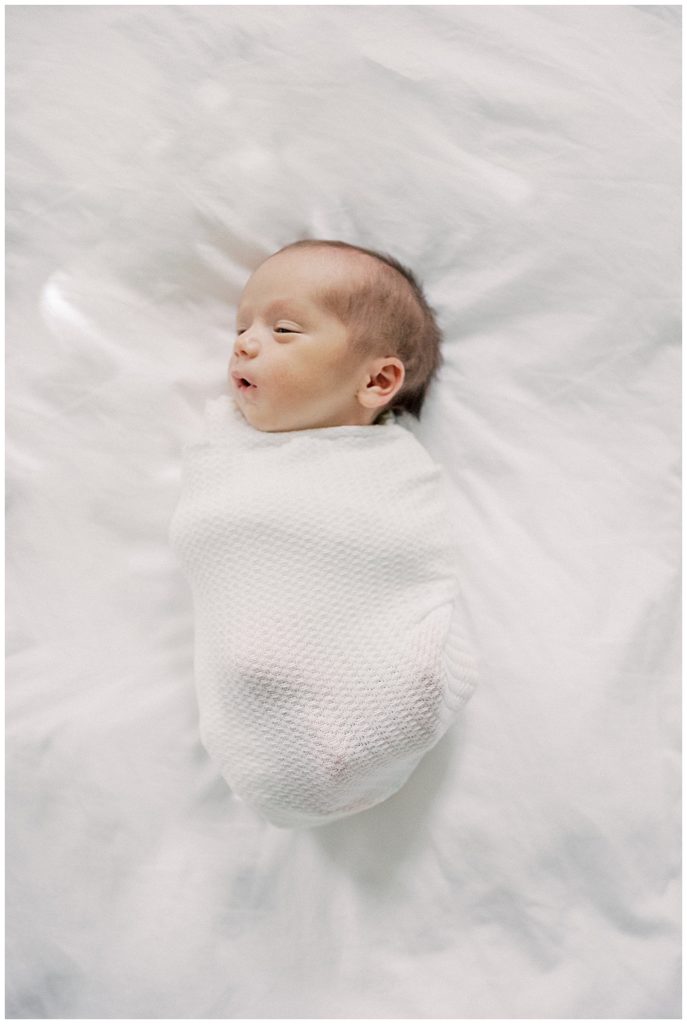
x=313, y=527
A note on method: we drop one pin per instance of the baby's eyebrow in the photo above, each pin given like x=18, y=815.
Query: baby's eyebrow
x=278, y=305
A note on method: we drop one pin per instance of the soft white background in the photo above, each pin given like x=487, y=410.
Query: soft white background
x=524, y=161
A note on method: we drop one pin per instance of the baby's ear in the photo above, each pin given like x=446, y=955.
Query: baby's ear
x=390, y=373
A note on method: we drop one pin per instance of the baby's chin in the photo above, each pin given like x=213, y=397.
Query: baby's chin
x=260, y=419
x=266, y=420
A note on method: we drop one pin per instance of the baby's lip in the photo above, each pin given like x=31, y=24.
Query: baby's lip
x=239, y=375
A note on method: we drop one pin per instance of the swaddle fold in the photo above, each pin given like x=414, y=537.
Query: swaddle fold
x=330, y=649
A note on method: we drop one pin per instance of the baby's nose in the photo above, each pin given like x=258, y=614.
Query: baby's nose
x=245, y=344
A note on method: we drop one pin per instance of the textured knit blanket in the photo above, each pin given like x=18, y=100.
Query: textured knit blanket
x=330, y=653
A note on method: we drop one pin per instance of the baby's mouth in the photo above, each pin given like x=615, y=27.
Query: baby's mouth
x=242, y=383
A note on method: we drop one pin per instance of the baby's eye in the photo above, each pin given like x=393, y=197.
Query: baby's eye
x=287, y=330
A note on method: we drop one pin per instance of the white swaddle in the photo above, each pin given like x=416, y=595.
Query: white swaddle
x=330, y=653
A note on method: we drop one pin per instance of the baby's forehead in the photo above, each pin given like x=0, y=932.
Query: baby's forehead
x=298, y=294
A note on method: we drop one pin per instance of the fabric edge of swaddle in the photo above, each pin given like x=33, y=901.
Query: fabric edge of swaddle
x=462, y=671
x=221, y=415
x=462, y=667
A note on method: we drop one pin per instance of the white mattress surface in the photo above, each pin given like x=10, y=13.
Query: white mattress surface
x=524, y=161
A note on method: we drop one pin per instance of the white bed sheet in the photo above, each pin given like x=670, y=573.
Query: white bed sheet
x=525, y=162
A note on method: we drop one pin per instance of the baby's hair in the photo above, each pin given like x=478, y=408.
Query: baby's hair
x=387, y=313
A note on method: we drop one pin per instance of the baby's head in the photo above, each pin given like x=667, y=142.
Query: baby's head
x=330, y=334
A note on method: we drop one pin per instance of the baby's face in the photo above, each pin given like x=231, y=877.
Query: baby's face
x=294, y=353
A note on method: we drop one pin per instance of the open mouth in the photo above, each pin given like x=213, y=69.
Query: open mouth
x=243, y=384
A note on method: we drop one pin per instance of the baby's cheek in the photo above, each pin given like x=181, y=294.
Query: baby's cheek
x=281, y=377
x=295, y=390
